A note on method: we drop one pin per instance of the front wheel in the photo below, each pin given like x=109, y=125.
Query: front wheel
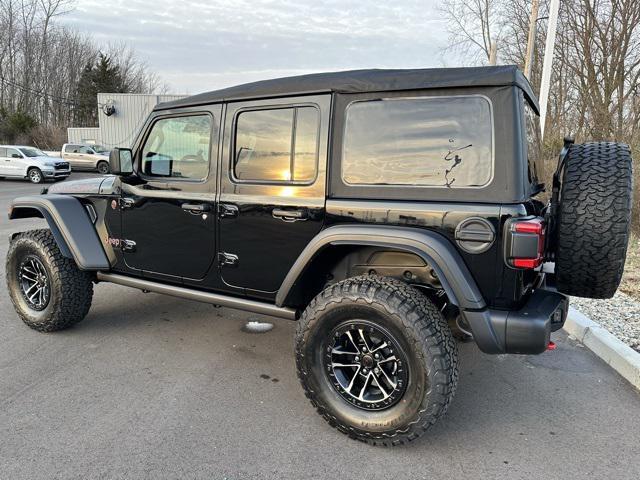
x=377, y=359
x=47, y=290
x=35, y=175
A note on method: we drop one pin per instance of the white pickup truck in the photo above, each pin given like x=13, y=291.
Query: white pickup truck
x=19, y=161
x=86, y=157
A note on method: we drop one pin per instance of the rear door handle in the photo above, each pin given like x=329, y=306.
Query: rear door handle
x=289, y=215
x=196, y=207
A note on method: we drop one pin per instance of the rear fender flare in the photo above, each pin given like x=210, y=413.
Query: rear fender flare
x=435, y=249
x=70, y=225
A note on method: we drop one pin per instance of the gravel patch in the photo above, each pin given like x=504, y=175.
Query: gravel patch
x=620, y=315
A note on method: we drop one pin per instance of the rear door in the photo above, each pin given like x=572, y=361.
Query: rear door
x=272, y=188
x=168, y=207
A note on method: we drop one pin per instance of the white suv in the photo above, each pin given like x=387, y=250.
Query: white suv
x=29, y=162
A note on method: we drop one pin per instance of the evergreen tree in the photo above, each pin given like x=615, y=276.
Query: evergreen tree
x=101, y=76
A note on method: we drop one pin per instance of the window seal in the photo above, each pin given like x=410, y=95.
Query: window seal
x=147, y=132
x=418, y=187
x=234, y=133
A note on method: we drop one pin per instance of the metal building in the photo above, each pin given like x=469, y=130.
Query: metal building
x=120, y=116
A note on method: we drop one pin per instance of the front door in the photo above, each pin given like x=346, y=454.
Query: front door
x=13, y=162
x=168, y=206
x=272, y=182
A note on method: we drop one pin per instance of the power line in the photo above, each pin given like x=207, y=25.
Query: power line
x=54, y=98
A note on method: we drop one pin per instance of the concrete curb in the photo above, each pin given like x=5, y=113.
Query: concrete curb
x=621, y=357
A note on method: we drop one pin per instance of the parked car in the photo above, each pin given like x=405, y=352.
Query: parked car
x=86, y=157
x=31, y=163
x=386, y=211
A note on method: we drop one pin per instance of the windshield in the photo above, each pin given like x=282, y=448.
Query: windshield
x=32, y=152
x=100, y=149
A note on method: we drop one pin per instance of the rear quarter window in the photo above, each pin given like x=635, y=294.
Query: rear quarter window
x=428, y=141
x=535, y=160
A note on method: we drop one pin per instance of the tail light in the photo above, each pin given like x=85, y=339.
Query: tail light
x=524, y=243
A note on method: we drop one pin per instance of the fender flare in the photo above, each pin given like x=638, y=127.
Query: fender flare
x=435, y=249
x=70, y=225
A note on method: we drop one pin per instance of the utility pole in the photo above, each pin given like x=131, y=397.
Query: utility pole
x=493, y=53
x=531, y=41
x=545, y=85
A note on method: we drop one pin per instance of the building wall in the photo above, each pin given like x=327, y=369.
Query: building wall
x=121, y=128
x=84, y=135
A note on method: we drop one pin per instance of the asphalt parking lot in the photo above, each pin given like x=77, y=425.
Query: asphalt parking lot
x=156, y=387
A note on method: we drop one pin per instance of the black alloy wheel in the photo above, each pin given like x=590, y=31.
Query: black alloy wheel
x=34, y=282
x=366, y=365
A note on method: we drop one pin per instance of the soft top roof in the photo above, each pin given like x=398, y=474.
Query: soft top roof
x=362, y=81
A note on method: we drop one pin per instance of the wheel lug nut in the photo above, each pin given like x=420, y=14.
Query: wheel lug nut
x=364, y=349
x=357, y=358
x=376, y=370
x=376, y=356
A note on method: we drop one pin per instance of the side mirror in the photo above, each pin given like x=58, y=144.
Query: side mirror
x=121, y=161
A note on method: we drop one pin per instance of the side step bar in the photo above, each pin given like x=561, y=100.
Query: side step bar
x=197, y=295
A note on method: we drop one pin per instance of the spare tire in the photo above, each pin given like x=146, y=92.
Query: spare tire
x=594, y=217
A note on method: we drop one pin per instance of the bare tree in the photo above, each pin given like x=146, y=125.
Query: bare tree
x=474, y=25
x=41, y=62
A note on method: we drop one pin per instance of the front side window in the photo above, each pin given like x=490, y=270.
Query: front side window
x=430, y=141
x=13, y=153
x=178, y=147
x=279, y=145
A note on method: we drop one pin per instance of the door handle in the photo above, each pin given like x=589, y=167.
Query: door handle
x=196, y=207
x=289, y=215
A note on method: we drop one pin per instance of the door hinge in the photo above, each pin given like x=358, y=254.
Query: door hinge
x=226, y=210
x=128, y=246
x=126, y=203
x=227, y=259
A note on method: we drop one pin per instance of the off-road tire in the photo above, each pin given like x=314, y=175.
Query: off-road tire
x=431, y=353
x=35, y=175
x=594, y=219
x=103, y=167
x=71, y=289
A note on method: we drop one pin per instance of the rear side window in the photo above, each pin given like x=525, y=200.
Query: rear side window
x=430, y=141
x=277, y=145
x=3, y=152
x=178, y=147
x=72, y=148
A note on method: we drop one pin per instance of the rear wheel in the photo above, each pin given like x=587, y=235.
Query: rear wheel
x=377, y=359
x=594, y=219
x=48, y=290
x=35, y=175
x=103, y=167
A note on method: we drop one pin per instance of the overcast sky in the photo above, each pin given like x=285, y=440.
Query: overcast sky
x=203, y=45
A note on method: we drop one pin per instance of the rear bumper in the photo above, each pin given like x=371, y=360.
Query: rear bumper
x=527, y=330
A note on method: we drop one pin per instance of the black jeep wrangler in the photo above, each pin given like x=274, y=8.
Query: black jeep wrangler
x=387, y=211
